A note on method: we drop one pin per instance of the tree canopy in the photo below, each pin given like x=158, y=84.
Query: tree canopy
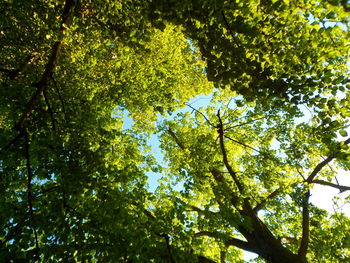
x=238, y=171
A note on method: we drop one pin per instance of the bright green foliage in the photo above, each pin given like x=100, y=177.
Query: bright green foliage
x=237, y=172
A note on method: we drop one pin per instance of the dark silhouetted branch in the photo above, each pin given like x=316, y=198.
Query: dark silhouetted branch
x=53, y=120
x=269, y=197
x=241, y=143
x=322, y=164
x=50, y=66
x=178, y=142
x=12, y=142
x=30, y=194
x=168, y=247
x=342, y=188
x=227, y=241
x=224, y=155
x=305, y=227
x=14, y=73
x=201, y=114
x=60, y=97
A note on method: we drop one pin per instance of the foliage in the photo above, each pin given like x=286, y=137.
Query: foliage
x=238, y=172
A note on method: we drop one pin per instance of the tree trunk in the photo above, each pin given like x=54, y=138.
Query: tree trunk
x=263, y=241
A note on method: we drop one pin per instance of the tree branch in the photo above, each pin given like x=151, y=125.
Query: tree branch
x=171, y=258
x=342, y=188
x=50, y=66
x=30, y=194
x=53, y=120
x=201, y=211
x=322, y=164
x=224, y=155
x=12, y=142
x=306, y=227
x=14, y=73
x=244, y=123
x=241, y=143
x=229, y=29
x=228, y=242
x=178, y=142
x=269, y=197
x=201, y=114
x=60, y=97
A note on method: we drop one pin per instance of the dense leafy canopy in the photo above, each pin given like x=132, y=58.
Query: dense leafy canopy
x=237, y=172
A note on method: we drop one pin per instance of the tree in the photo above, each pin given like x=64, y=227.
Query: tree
x=74, y=180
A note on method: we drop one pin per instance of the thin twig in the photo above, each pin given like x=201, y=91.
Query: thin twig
x=201, y=114
x=245, y=123
x=60, y=97
x=53, y=120
x=244, y=145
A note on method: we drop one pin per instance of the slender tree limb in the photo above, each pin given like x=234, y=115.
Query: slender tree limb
x=50, y=66
x=243, y=144
x=60, y=97
x=269, y=197
x=201, y=211
x=12, y=142
x=244, y=123
x=229, y=29
x=342, y=188
x=228, y=242
x=305, y=227
x=322, y=164
x=30, y=194
x=201, y=114
x=53, y=120
x=14, y=73
x=224, y=155
x=178, y=142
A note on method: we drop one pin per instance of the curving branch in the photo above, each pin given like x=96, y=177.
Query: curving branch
x=229, y=29
x=322, y=164
x=342, y=188
x=50, y=66
x=200, y=114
